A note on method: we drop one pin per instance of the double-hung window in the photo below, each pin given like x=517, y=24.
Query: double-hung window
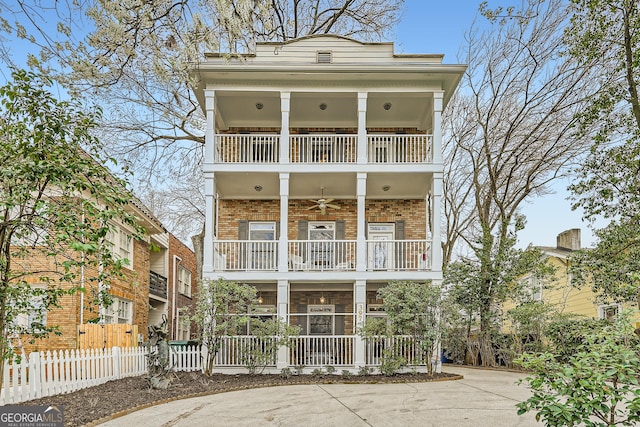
x=184, y=281
x=120, y=311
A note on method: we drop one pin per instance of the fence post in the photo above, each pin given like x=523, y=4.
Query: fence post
x=116, y=362
x=35, y=372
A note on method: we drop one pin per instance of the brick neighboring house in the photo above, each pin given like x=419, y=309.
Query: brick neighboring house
x=79, y=317
x=182, y=290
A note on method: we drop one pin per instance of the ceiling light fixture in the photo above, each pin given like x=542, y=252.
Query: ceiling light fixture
x=386, y=187
x=387, y=106
x=258, y=188
x=323, y=106
x=259, y=105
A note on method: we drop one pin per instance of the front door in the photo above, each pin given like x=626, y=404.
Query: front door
x=380, y=246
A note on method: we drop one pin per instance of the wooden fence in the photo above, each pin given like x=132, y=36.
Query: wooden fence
x=107, y=336
x=48, y=373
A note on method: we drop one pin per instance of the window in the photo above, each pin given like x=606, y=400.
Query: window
x=608, y=311
x=184, y=326
x=532, y=287
x=35, y=320
x=120, y=311
x=184, y=281
x=121, y=243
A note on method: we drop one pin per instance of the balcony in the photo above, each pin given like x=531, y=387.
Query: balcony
x=157, y=285
x=322, y=255
x=323, y=148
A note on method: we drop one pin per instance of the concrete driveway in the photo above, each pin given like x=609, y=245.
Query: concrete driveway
x=482, y=398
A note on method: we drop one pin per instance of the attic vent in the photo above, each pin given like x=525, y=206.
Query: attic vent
x=324, y=57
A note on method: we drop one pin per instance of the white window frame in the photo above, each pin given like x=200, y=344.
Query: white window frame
x=24, y=320
x=121, y=242
x=119, y=312
x=184, y=281
x=534, y=286
x=604, y=308
x=184, y=325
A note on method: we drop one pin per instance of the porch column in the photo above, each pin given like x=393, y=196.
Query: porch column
x=283, y=243
x=209, y=182
x=436, y=148
x=437, y=367
x=435, y=214
x=209, y=235
x=283, y=315
x=360, y=304
x=361, y=242
x=210, y=129
x=285, y=106
x=362, y=127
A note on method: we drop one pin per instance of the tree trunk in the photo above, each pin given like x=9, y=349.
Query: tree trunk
x=198, y=249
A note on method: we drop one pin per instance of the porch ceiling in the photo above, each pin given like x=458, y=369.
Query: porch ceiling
x=242, y=186
x=254, y=109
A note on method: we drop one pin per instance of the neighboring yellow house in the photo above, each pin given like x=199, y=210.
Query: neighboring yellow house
x=559, y=290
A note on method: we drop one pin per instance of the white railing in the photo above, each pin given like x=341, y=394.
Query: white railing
x=247, y=148
x=245, y=255
x=323, y=148
x=48, y=373
x=399, y=255
x=322, y=255
x=389, y=148
x=236, y=351
x=404, y=346
x=314, y=350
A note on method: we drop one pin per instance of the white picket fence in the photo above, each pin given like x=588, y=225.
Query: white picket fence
x=48, y=373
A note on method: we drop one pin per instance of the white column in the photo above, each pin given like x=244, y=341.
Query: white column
x=209, y=183
x=362, y=127
x=283, y=243
x=437, y=127
x=360, y=304
x=436, y=215
x=283, y=315
x=210, y=130
x=361, y=242
x=285, y=107
x=209, y=236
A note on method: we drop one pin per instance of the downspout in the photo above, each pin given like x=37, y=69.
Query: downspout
x=82, y=258
x=174, y=309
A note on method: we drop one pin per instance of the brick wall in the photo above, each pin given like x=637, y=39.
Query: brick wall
x=133, y=286
x=411, y=211
x=176, y=299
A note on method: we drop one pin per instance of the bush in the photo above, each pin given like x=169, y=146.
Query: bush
x=598, y=382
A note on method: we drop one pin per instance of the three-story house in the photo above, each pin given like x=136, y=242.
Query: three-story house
x=323, y=182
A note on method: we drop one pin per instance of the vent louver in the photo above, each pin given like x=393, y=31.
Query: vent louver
x=324, y=57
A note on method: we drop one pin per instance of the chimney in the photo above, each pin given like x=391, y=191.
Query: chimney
x=569, y=239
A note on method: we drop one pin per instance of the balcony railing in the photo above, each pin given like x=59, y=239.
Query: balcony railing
x=157, y=285
x=323, y=148
x=245, y=255
x=399, y=148
x=249, y=148
x=399, y=255
x=322, y=255
x=336, y=350
x=403, y=346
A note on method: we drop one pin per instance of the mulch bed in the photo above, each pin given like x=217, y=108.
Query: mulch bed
x=97, y=404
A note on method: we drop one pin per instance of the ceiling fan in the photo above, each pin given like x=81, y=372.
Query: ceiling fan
x=322, y=204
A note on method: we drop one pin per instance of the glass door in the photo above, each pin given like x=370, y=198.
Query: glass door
x=322, y=235
x=262, y=246
x=380, y=247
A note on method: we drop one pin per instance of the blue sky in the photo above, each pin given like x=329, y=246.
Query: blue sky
x=429, y=26
x=439, y=27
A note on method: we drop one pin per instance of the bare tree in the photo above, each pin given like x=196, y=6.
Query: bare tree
x=133, y=58
x=512, y=135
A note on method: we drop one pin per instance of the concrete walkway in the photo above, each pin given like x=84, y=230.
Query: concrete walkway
x=482, y=398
